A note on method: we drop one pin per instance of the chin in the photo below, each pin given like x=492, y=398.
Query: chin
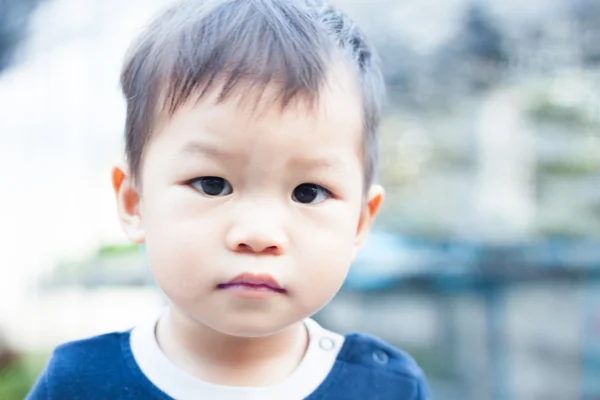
x=250, y=329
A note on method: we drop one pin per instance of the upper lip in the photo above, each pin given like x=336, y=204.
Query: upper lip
x=256, y=280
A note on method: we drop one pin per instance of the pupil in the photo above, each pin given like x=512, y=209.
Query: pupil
x=213, y=186
x=305, y=193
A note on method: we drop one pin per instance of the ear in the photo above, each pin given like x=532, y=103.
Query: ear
x=368, y=214
x=128, y=204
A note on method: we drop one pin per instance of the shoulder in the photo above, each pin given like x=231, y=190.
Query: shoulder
x=372, y=352
x=83, y=366
x=88, y=355
x=392, y=372
x=97, y=348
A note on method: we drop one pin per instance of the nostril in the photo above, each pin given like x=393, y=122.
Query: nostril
x=271, y=249
x=243, y=247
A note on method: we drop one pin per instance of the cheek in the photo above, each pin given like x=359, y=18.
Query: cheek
x=174, y=262
x=327, y=254
x=331, y=253
x=323, y=275
x=177, y=246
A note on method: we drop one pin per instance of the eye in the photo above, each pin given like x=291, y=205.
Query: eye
x=212, y=186
x=309, y=193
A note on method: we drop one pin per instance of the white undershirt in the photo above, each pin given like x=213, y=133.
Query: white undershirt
x=320, y=356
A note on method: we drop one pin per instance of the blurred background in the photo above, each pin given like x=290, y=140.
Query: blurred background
x=485, y=264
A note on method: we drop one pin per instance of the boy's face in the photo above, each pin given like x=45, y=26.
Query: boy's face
x=227, y=191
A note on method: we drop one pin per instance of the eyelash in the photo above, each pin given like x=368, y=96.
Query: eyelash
x=325, y=193
x=320, y=189
x=202, y=189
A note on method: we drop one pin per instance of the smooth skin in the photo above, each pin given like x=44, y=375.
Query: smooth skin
x=226, y=189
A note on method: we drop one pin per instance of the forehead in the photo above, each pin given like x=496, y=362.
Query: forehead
x=335, y=116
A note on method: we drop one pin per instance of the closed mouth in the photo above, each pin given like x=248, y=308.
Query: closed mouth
x=253, y=282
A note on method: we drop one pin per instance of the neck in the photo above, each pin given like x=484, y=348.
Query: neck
x=230, y=360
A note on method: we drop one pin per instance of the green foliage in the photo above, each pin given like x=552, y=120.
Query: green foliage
x=543, y=109
x=570, y=169
x=117, y=250
x=562, y=231
x=73, y=268
x=17, y=378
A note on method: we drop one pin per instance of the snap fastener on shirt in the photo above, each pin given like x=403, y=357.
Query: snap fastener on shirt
x=326, y=344
x=380, y=357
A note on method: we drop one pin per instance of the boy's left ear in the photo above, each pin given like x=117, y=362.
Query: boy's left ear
x=370, y=209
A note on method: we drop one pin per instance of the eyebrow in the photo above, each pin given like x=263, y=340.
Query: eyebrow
x=308, y=162
x=197, y=148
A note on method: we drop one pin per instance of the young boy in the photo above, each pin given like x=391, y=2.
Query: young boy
x=251, y=152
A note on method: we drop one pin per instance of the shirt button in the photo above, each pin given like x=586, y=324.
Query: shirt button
x=326, y=344
x=380, y=357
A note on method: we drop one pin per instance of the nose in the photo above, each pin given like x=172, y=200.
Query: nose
x=257, y=235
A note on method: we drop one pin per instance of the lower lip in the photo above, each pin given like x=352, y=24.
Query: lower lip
x=251, y=291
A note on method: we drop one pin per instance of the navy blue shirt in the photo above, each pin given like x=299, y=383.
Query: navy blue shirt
x=103, y=367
